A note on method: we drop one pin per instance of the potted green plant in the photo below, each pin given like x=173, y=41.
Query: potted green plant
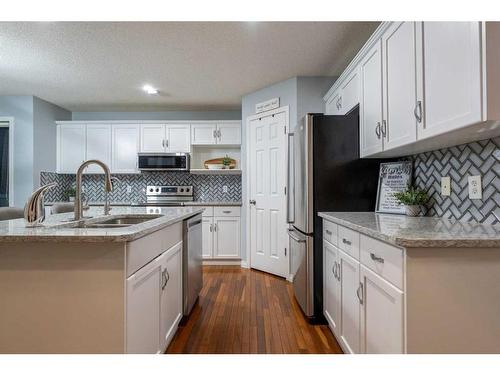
x=69, y=194
x=226, y=162
x=413, y=198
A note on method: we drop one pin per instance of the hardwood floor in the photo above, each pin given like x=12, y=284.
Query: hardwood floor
x=247, y=311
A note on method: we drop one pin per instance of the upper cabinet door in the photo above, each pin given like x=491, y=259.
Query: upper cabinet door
x=229, y=133
x=400, y=84
x=452, y=76
x=333, y=104
x=153, y=138
x=71, y=153
x=125, y=148
x=370, y=72
x=178, y=138
x=203, y=134
x=98, y=146
x=349, y=96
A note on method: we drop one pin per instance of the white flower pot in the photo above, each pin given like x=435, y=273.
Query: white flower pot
x=413, y=210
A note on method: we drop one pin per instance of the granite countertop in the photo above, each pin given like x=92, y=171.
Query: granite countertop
x=418, y=231
x=57, y=228
x=142, y=204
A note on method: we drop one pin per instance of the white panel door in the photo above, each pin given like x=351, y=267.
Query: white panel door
x=125, y=148
x=203, y=134
x=98, y=146
x=171, y=294
x=207, y=240
x=71, y=147
x=349, y=89
x=153, y=138
x=400, y=84
x=371, y=101
x=331, y=286
x=350, y=303
x=229, y=133
x=452, y=76
x=268, y=228
x=382, y=324
x=178, y=138
x=227, y=237
x=143, y=309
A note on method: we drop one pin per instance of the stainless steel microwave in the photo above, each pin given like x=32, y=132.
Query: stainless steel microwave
x=163, y=162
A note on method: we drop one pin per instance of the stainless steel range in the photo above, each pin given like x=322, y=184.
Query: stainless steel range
x=168, y=195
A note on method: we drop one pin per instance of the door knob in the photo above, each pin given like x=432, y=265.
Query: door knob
x=252, y=201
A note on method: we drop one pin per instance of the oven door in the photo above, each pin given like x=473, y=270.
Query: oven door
x=162, y=161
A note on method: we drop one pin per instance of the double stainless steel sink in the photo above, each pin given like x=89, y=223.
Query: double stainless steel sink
x=117, y=222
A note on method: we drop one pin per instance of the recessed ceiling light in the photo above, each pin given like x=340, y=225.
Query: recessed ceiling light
x=150, y=89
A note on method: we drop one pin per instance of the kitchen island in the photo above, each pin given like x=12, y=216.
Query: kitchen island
x=69, y=287
x=397, y=284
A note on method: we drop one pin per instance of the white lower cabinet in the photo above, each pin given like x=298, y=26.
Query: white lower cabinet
x=221, y=232
x=349, y=302
x=154, y=303
x=381, y=315
x=364, y=310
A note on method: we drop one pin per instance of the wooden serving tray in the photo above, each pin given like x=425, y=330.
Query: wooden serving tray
x=232, y=165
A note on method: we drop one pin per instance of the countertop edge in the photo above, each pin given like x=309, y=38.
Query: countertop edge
x=405, y=242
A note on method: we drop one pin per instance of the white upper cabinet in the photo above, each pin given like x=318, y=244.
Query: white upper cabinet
x=98, y=146
x=203, y=134
x=153, y=138
x=223, y=133
x=452, y=76
x=178, y=138
x=229, y=133
x=71, y=147
x=349, y=93
x=399, y=85
x=165, y=138
x=333, y=104
x=125, y=148
x=371, y=101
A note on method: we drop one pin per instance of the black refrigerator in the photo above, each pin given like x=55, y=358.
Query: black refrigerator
x=325, y=173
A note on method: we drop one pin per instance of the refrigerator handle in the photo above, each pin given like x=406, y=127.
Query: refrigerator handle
x=290, y=179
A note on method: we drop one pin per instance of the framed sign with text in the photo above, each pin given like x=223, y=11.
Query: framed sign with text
x=393, y=177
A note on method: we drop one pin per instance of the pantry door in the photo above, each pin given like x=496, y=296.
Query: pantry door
x=267, y=195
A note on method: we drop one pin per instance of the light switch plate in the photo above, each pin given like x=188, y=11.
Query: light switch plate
x=445, y=186
x=475, y=188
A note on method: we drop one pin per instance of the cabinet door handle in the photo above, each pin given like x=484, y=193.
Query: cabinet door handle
x=377, y=130
x=340, y=102
x=359, y=293
x=215, y=133
x=328, y=232
x=346, y=241
x=211, y=227
x=252, y=201
x=163, y=143
x=219, y=134
x=376, y=258
x=339, y=269
x=334, y=269
x=418, y=111
x=164, y=279
x=215, y=227
x=383, y=129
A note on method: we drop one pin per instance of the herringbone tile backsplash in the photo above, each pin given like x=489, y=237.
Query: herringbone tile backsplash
x=459, y=162
x=206, y=187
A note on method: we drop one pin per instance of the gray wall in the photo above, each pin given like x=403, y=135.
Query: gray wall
x=45, y=135
x=21, y=109
x=310, y=92
x=160, y=115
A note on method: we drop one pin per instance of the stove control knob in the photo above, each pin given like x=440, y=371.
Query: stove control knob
x=157, y=190
x=182, y=190
x=151, y=190
x=187, y=190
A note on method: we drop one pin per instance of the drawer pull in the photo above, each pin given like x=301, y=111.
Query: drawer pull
x=359, y=293
x=328, y=232
x=346, y=241
x=226, y=212
x=376, y=258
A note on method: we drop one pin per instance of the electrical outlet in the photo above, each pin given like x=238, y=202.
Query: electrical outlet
x=475, y=189
x=224, y=189
x=129, y=189
x=445, y=186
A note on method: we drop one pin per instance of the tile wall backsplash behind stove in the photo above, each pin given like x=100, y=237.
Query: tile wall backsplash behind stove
x=206, y=187
x=459, y=162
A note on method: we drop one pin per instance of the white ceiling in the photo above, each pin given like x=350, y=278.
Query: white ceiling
x=86, y=66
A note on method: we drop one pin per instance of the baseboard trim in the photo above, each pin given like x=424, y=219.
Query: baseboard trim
x=244, y=264
x=221, y=262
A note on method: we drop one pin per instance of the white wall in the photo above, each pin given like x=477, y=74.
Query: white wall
x=158, y=115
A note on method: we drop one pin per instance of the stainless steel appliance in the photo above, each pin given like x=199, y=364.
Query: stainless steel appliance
x=191, y=262
x=325, y=173
x=168, y=195
x=163, y=161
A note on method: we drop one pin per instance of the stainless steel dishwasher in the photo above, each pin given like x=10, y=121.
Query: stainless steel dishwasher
x=191, y=262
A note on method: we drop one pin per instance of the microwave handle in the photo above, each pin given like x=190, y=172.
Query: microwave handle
x=290, y=180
